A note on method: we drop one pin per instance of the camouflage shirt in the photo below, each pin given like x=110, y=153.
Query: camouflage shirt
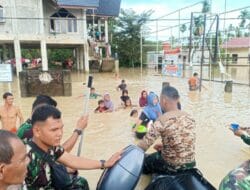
x=25, y=132
x=39, y=171
x=177, y=131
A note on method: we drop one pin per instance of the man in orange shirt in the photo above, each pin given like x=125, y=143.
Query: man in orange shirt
x=9, y=113
x=194, y=82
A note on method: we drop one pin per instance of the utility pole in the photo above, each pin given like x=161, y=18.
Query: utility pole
x=141, y=49
x=202, y=55
x=157, y=45
x=190, y=39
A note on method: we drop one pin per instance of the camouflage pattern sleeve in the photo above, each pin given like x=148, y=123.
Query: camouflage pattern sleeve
x=151, y=136
x=246, y=139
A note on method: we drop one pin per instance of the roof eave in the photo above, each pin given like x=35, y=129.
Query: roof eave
x=76, y=7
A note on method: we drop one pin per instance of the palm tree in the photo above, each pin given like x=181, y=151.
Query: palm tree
x=244, y=16
x=206, y=7
x=238, y=32
x=198, y=25
x=231, y=31
x=198, y=21
x=183, y=28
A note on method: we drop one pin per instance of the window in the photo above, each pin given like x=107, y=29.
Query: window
x=227, y=58
x=63, y=22
x=234, y=58
x=1, y=14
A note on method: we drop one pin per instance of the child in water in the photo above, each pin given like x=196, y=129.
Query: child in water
x=124, y=97
x=128, y=104
x=101, y=107
x=122, y=86
x=140, y=130
x=93, y=94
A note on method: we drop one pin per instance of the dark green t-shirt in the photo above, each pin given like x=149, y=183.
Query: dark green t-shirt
x=25, y=132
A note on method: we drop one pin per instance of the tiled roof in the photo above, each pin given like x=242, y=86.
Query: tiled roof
x=107, y=8
x=242, y=42
x=79, y=3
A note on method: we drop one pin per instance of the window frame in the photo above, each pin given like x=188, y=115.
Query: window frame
x=63, y=25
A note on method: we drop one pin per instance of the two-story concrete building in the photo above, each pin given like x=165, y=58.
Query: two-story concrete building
x=47, y=24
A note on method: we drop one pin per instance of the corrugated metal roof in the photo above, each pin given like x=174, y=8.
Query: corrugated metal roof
x=107, y=8
x=243, y=42
x=79, y=3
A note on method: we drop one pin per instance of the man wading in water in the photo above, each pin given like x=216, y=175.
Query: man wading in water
x=9, y=113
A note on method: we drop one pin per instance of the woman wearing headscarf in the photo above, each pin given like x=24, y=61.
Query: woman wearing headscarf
x=150, y=113
x=143, y=99
x=108, y=103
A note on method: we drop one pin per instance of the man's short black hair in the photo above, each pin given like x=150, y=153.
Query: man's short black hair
x=6, y=150
x=195, y=74
x=170, y=92
x=123, y=81
x=44, y=112
x=43, y=99
x=6, y=94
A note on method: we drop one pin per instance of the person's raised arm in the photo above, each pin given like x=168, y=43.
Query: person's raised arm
x=243, y=135
x=71, y=141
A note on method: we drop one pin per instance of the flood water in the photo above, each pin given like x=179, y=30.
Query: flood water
x=217, y=150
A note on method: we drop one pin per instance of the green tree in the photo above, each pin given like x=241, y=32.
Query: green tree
x=206, y=7
x=244, y=16
x=199, y=20
x=126, y=36
x=183, y=28
x=231, y=31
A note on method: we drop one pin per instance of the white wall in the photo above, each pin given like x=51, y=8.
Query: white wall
x=29, y=29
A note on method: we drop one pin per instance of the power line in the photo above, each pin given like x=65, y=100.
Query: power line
x=189, y=6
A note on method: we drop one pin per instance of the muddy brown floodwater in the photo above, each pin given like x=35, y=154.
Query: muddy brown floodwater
x=217, y=150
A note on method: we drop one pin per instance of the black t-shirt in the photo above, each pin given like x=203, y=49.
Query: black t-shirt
x=124, y=98
x=122, y=86
x=144, y=118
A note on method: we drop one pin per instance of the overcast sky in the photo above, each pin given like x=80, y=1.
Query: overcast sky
x=163, y=7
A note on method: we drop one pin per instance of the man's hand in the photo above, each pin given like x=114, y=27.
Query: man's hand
x=238, y=132
x=114, y=158
x=158, y=146
x=82, y=122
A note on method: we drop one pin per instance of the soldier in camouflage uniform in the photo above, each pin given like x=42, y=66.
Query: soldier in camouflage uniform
x=176, y=128
x=39, y=170
x=239, y=179
x=47, y=127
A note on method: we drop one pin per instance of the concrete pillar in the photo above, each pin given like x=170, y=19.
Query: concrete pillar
x=106, y=31
x=45, y=66
x=41, y=21
x=117, y=66
x=99, y=28
x=81, y=55
x=77, y=59
x=5, y=52
x=85, y=49
x=86, y=57
x=18, y=56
